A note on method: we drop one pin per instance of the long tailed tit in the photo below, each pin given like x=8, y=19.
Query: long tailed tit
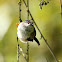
x=26, y=32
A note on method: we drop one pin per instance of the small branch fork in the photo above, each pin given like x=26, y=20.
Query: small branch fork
x=41, y=34
x=42, y=2
x=19, y=49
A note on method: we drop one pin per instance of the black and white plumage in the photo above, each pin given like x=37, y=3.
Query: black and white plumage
x=26, y=32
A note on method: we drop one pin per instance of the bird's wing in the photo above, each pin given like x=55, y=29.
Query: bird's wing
x=32, y=35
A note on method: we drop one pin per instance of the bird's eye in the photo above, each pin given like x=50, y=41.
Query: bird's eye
x=28, y=22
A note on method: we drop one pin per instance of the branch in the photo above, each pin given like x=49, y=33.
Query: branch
x=17, y=50
x=28, y=19
x=20, y=11
x=27, y=52
x=17, y=37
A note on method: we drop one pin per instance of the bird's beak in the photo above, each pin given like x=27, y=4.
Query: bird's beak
x=17, y=25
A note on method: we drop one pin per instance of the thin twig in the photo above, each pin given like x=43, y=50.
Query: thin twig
x=27, y=52
x=20, y=11
x=17, y=50
x=17, y=37
x=28, y=9
x=28, y=19
x=42, y=35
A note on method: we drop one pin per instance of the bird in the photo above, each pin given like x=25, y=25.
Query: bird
x=26, y=32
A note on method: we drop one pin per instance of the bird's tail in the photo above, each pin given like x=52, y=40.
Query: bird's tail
x=36, y=41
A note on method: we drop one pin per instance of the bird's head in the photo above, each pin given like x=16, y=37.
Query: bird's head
x=28, y=22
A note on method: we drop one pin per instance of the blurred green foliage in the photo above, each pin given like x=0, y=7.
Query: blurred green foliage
x=49, y=22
